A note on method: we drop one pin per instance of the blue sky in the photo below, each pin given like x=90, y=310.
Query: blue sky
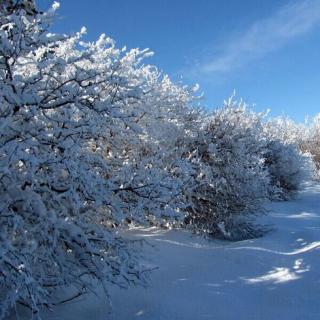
x=267, y=50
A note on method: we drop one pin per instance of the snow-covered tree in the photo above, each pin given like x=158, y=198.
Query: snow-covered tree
x=287, y=165
x=231, y=179
x=154, y=172
x=59, y=105
x=310, y=143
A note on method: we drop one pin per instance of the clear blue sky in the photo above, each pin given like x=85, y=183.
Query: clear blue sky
x=268, y=51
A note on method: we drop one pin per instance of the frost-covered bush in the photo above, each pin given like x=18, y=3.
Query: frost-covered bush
x=285, y=129
x=60, y=101
x=310, y=143
x=230, y=177
x=154, y=174
x=287, y=166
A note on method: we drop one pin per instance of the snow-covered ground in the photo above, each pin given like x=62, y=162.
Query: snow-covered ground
x=274, y=277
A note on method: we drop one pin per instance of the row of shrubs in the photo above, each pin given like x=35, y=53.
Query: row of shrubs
x=92, y=139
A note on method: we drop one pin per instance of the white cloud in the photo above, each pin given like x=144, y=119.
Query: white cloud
x=290, y=21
